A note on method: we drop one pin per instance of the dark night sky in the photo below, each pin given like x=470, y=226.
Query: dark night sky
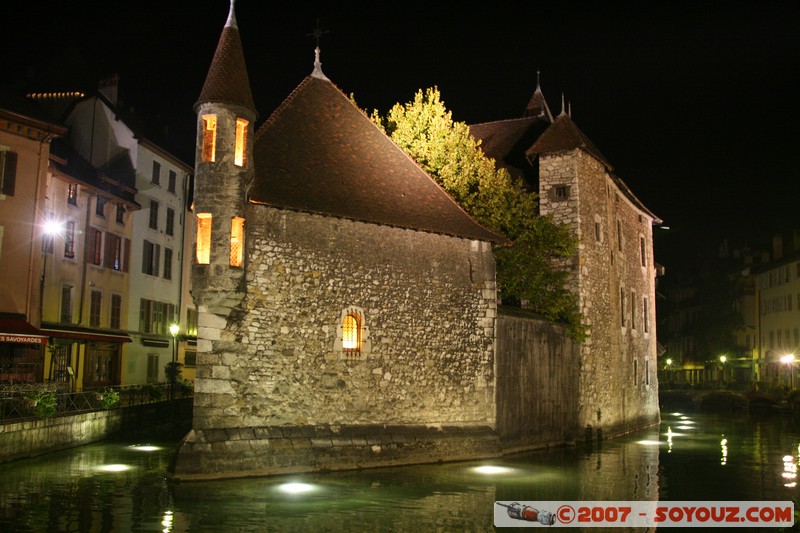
x=695, y=103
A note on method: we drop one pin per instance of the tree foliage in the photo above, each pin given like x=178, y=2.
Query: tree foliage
x=527, y=269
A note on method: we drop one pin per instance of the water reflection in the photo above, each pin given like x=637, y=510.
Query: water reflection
x=113, y=487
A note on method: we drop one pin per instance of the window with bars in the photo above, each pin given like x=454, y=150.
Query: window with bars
x=237, y=241
x=203, y=254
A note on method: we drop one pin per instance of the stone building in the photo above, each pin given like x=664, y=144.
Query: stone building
x=346, y=303
x=348, y=312
x=613, y=272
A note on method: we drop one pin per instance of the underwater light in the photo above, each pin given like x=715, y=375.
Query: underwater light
x=491, y=470
x=647, y=442
x=114, y=468
x=296, y=488
x=144, y=447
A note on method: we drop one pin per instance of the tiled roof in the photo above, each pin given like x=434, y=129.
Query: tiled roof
x=319, y=153
x=227, y=81
x=503, y=139
x=562, y=135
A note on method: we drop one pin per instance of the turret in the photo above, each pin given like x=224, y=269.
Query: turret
x=223, y=172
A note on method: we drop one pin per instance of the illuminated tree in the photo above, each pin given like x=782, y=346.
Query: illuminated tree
x=527, y=269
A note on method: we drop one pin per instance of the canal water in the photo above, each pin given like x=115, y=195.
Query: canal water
x=115, y=486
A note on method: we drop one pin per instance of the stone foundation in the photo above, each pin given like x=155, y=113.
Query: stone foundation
x=277, y=450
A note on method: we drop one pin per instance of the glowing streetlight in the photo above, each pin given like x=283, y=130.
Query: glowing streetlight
x=50, y=229
x=173, y=330
x=788, y=360
x=722, y=359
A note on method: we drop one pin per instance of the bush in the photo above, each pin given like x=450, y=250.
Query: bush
x=154, y=392
x=109, y=398
x=44, y=400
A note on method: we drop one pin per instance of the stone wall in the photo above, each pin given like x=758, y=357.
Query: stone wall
x=537, y=379
x=618, y=387
x=428, y=309
x=21, y=440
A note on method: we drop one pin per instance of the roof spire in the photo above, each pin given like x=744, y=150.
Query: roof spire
x=316, y=34
x=537, y=106
x=563, y=108
x=231, y=22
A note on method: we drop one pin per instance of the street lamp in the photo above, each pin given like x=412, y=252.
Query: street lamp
x=173, y=329
x=788, y=360
x=722, y=359
x=50, y=229
x=669, y=373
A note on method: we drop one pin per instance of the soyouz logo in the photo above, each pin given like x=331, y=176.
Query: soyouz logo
x=644, y=514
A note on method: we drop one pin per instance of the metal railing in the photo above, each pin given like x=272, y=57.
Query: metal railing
x=16, y=406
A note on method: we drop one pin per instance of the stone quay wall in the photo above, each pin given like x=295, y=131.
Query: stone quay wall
x=30, y=438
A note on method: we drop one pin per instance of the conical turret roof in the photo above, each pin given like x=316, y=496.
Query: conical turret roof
x=227, y=81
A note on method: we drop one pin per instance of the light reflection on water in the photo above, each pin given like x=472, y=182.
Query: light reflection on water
x=117, y=487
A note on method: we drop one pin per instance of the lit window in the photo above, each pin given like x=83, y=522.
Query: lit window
x=72, y=193
x=69, y=239
x=237, y=241
x=351, y=332
x=209, y=137
x=203, y=238
x=241, y=142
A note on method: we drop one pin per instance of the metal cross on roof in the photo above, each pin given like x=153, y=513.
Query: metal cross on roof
x=317, y=33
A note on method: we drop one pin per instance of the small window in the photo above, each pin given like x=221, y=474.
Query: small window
x=96, y=302
x=170, y=224
x=646, y=314
x=167, y=263
x=172, y=179
x=561, y=192
x=239, y=158
x=597, y=232
x=72, y=194
x=150, y=258
x=622, y=307
x=619, y=235
x=643, y=251
x=209, y=138
x=153, y=214
x=120, y=214
x=66, y=304
x=237, y=241
x=203, y=238
x=69, y=239
x=352, y=335
x=156, y=173
x=116, y=311
x=8, y=172
x=100, y=207
x=351, y=332
x=635, y=372
x=633, y=310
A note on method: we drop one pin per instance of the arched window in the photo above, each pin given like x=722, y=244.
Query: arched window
x=352, y=335
x=351, y=332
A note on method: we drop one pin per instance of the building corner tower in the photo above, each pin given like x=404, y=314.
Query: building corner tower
x=223, y=172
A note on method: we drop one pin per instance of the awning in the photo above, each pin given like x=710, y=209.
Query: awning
x=84, y=334
x=19, y=331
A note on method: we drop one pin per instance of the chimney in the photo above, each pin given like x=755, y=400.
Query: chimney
x=109, y=86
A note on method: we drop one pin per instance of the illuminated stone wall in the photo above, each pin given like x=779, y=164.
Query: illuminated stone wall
x=429, y=308
x=618, y=386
